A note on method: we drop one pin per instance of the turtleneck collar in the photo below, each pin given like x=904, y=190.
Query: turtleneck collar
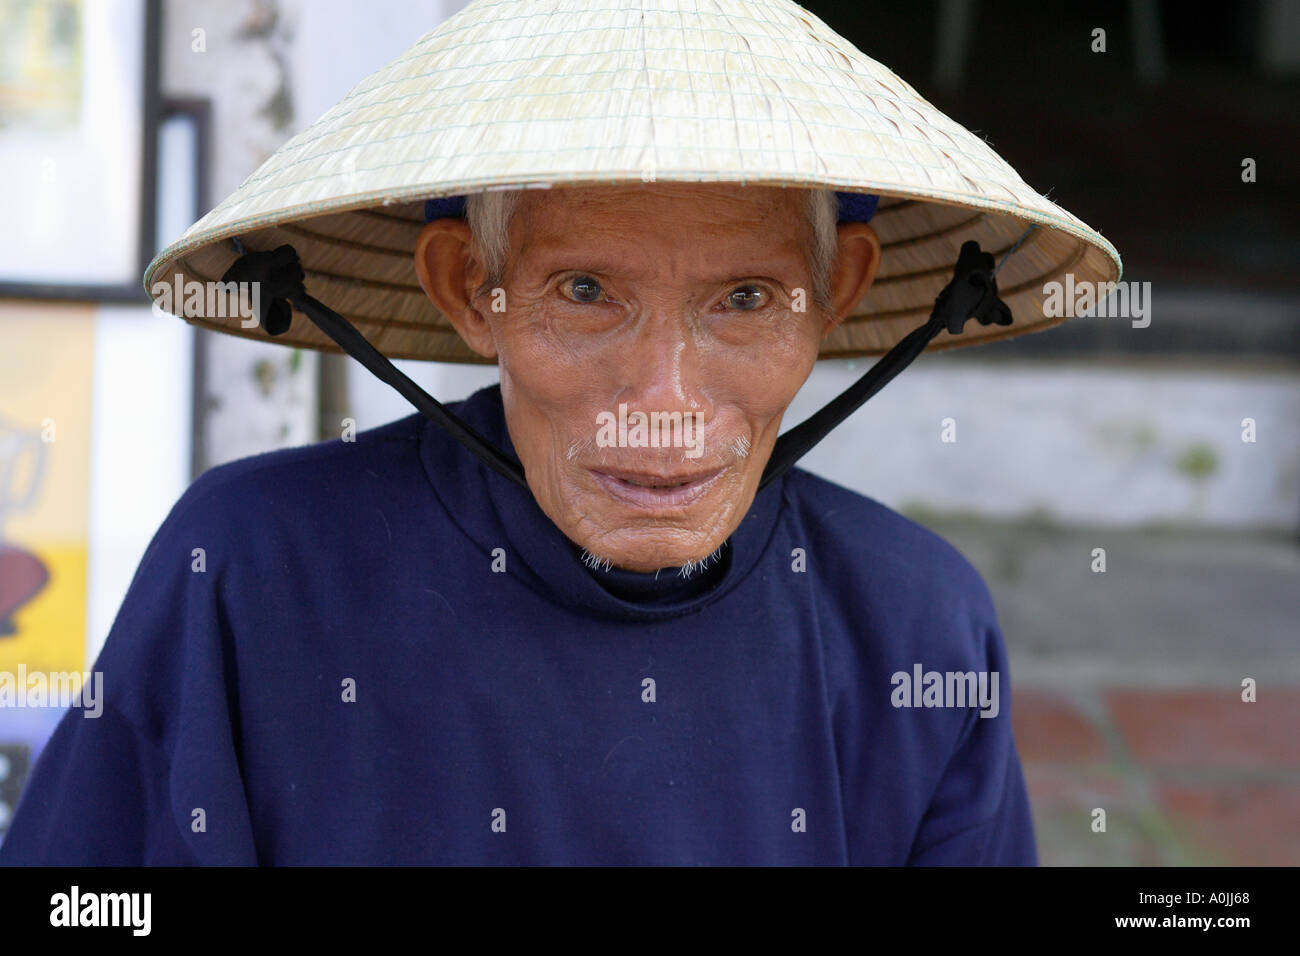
x=496, y=513
x=665, y=586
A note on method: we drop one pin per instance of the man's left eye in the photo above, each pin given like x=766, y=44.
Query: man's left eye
x=747, y=298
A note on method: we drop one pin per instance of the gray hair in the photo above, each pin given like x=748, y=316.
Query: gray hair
x=489, y=215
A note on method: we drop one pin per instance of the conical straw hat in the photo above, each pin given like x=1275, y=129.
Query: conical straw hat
x=556, y=93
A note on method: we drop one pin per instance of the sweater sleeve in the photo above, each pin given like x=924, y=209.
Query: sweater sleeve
x=153, y=777
x=97, y=796
x=979, y=814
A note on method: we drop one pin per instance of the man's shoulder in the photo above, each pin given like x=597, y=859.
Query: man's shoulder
x=878, y=544
x=313, y=462
x=303, y=480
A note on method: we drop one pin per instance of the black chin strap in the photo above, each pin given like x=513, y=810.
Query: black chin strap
x=972, y=293
x=281, y=277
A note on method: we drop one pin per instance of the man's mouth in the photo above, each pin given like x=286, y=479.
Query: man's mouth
x=656, y=491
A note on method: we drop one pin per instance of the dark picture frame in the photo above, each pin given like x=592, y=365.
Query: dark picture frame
x=146, y=104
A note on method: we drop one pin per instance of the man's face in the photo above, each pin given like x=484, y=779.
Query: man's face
x=658, y=299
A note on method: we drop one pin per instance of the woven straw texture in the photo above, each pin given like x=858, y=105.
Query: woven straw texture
x=565, y=93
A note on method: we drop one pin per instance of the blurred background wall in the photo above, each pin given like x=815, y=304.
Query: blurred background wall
x=1093, y=435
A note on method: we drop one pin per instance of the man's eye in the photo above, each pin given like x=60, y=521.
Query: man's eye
x=747, y=298
x=584, y=289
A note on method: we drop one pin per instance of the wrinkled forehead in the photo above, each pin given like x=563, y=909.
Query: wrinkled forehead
x=728, y=216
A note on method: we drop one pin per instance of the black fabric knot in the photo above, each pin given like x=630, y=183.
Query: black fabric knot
x=279, y=276
x=972, y=293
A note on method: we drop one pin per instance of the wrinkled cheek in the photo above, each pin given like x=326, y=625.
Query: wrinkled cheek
x=761, y=382
x=545, y=395
x=548, y=369
x=531, y=375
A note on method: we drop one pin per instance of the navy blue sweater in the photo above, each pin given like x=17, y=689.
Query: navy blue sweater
x=391, y=656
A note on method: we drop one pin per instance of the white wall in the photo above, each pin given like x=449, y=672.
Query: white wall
x=1076, y=442
x=140, y=448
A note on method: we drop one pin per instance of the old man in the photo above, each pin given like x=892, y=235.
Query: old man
x=590, y=615
x=395, y=656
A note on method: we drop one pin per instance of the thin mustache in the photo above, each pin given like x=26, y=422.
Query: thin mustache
x=716, y=453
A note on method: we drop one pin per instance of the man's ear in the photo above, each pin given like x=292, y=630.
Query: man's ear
x=450, y=274
x=854, y=269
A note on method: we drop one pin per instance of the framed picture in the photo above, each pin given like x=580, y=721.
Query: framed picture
x=78, y=146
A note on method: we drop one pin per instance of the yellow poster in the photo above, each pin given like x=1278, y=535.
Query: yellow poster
x=46, y=353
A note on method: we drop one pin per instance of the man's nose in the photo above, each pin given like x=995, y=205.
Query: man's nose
x=663, y=371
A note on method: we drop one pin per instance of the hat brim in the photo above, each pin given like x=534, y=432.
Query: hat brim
x=463, y=111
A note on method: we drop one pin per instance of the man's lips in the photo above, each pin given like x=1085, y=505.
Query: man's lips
x=655, y=491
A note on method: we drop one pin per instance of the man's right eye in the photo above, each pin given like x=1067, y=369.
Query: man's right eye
x=582, y=289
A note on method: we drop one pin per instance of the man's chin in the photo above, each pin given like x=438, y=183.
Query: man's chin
x=644, y=544
x=613, y=533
